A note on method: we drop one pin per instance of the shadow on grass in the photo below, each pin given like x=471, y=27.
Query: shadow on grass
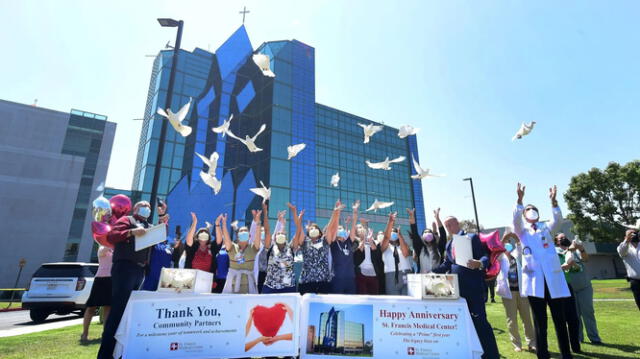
x=90, y=342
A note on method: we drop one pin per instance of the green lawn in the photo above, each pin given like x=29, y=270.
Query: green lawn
x=5, y=305
x=617, y=322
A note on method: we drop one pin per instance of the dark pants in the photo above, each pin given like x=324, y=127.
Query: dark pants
x=126, y=277
x=367, y=285
x=262, y=276
x=573, y=324
x=475, y=303
x=268, y=290
x=539, y=311
x=343, y=285
x=314, y=288
x=635, y=288
x=219, y=285
x=491, y=291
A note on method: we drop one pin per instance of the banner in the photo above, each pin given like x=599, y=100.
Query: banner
x=386, y=327
x=181, y=325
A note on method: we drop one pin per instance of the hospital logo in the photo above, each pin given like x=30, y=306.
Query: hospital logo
x=173, y=346
x=411, y=351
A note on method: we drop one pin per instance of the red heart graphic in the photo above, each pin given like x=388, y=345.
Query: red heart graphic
x=268, y=320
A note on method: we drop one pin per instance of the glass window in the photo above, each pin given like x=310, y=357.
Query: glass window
x=280, y=173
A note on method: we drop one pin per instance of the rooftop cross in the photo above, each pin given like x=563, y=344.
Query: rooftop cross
x=244, y=12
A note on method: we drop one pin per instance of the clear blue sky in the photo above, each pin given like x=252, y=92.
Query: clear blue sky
x=466, y=72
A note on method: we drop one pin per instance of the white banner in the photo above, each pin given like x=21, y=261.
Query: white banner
x=386, y=327
x=180, y=325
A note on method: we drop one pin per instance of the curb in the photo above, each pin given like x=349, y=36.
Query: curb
x=11, y=310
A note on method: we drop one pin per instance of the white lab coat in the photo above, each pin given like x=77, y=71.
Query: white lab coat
x=502, y=281
x=539, y=264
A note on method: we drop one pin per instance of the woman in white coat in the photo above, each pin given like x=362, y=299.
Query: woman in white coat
x=543, y=280
x=509, y=282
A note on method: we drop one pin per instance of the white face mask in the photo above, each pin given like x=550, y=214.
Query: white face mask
x=144, y=212
x=380, y=237
x=203, y=237
x=314, y=233
x=532, y=215
x=281, y=239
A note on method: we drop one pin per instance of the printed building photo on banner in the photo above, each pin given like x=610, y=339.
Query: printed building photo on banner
x=269, y=326
x=340, y=330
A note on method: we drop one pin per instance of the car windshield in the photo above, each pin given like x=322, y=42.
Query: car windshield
x=65, y=271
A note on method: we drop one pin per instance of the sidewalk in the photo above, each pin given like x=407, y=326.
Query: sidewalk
x=41, y=327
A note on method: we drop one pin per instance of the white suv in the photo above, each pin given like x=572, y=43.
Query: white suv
x=59, y=288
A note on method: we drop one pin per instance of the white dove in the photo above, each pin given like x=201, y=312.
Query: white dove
x=264, y=64
x=224, y=128
x=250, y=142
x=370, y=130
x=407, y=130
x=175, y=119
x=379, y=205
x=212, y=162
x=263, y=192
x=335, y=179
x=421, y=172
x=234, y=225
x=524, y=130
x=293, y=150
x=211, y=181
x=386, y=164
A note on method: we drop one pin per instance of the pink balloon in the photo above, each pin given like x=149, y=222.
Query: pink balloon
x=495, y=248
x=100, y=231
x=120, y=205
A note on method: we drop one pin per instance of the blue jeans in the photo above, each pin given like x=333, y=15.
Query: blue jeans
x=126, y=277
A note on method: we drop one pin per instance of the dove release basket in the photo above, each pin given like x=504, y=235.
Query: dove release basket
x=185, y=280
x=433, y=286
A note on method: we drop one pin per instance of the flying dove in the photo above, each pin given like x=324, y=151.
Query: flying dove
x=379, y=205
x=407, y=130
x=211, y=181
x=422, y=172
x=250, y=142
x=175, y=119
x=370, y=130
x=335, y=179
x=224, y=128
x=524, y=130
x=234, y=225
x=293, y=150
x=263, y=62
x=263, y=192
x=212, y=162
x=386, y=164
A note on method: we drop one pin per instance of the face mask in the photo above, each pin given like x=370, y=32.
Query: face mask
x=342, y=233
x=380, y=237
x=144, y=212
x=203, y=236
x=427, y=237
x=262, y=236
x=565, y=242
x=314, y=233
x=281, y=239
x=243, y=236
x=508, y=247
x=532, y=215
x=394, y=236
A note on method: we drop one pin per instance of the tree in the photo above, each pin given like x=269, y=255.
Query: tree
x=469, y=226
x=601, y=201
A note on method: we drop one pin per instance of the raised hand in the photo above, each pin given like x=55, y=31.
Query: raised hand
x=194, y=219
x=356, y=205
x=338, y=206
x=281, y=215
x=553, y=192
x=224, y=219
x=256, y=215
x=436, y=213
x=412, y=215
x=218, y=219
x=521, y=189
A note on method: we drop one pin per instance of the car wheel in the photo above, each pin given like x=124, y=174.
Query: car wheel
x=39, y=315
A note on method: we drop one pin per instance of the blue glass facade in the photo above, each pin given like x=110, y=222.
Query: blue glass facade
x=227, y=83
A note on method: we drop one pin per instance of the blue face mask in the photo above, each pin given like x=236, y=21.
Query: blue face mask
x=144, y=212
x=342, y=233
x=262, y=236
x=243, y=236
x=508, y=247
x=394, y=236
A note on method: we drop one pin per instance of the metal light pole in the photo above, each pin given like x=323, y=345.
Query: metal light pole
x=164, y=22
x=473, y=195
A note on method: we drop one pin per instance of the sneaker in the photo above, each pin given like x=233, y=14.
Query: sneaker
x=517, y=350
x=596, y=342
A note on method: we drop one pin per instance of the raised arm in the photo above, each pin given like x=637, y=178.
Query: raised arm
x=225, y=233
x=387, y=231
x=413, y=234
x=334, y=221
x=557, y=214
x=219, y=233
x=354, y=220
x=298, y=238
x=256, y=226
x=623, y=247
x=442, y=233
x=518, y=223
x=403, y=245
x=192, y=230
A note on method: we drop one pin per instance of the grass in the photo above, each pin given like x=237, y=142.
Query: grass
x=616, y=322
x=5, y=304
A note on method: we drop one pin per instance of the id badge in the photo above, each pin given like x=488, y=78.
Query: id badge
x=345, y=251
